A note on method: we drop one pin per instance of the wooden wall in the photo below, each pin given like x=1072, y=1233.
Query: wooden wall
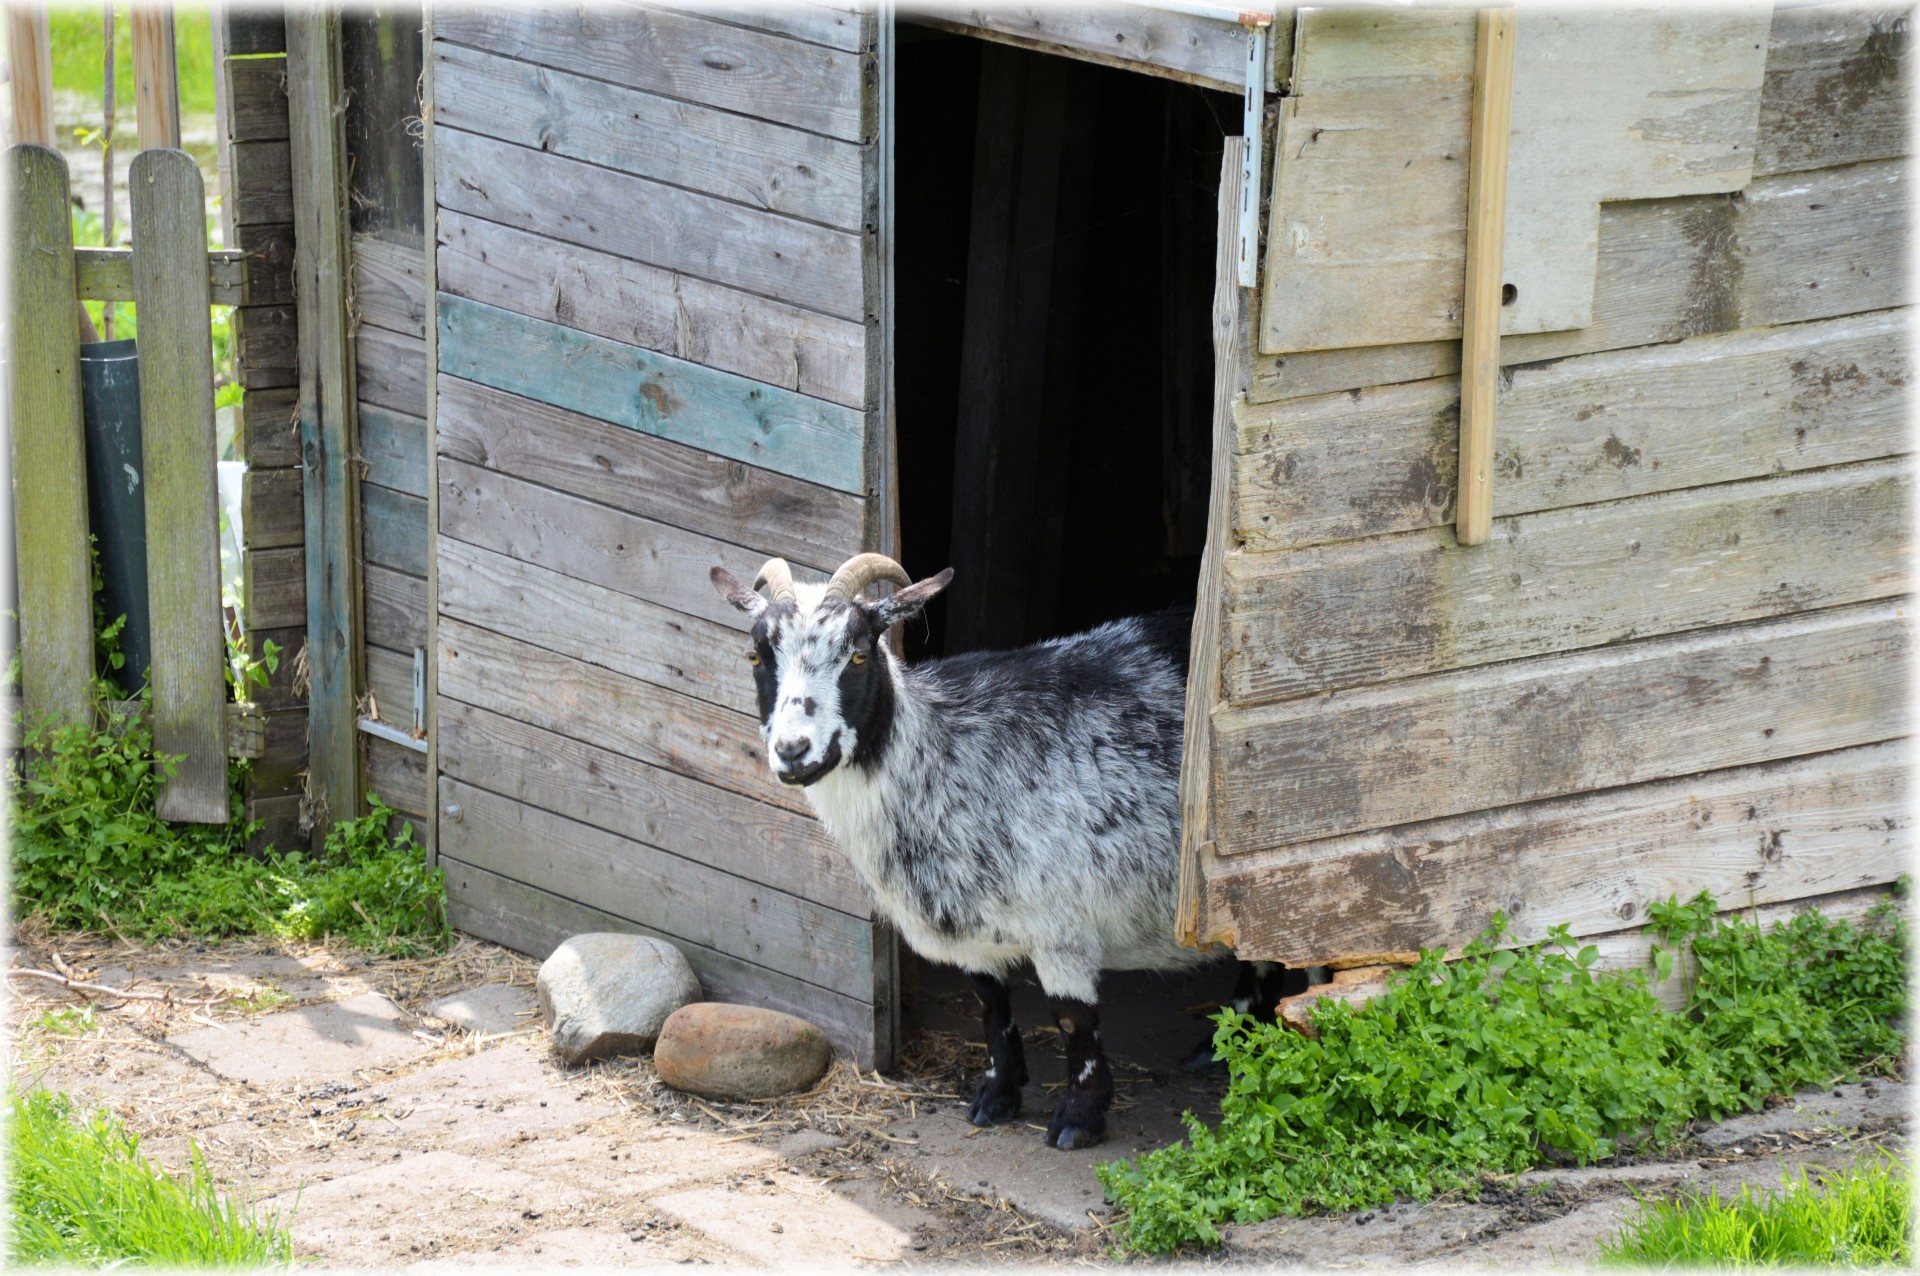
x=656, y=307
x=1682, y=659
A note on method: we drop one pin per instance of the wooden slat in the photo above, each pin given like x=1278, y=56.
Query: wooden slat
x=393, y=528
x=395, y=609
x=156, y=87
x=1838, y=87
x=391, y=370
x=106, y=274
x=390, y=286
x=793, y=261
x=279, y=692
x=1594, y=863
x=396, y=773
x=390, y=682
x=620, y=551
x=609, y=790
x=267, y=345
x=1398, y=606
x=269, y=251
x=50, y=512
x=598, y=707
x=653, y=393
x=279, y=820
x=272, y=511
x=253, y=30
x=30, y=75
x=179, y=455
x=282, y=764
x=276, y=589
x=748, y=161
x=655, y=478
x=1177, y=45
x=599, y=625
x=688, y=899
x=394, y=447
x=534, y=921
x=656, y=309
x=262, y=184
x=1785, y=250
x=1486, y=235
x=1592, y=428
x=256, y=99
x=1489, y=737
x=269, y=428
x=834, y=25
x=678, y=56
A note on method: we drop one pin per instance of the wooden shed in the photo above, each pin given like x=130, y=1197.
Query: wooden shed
x=1109, y=307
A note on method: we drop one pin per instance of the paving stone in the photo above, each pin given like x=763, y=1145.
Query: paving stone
x=329, y=1040
x=502, y=1095
x=489, y=1008
x=797, y=1147
x=629, y=1164
x=797, y=1223
x=596, y=1247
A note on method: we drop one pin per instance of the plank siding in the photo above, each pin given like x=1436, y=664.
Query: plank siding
x=397, y=774
x=1838, y=88
x=1594, y=862
x=1502, y=734
x=393, y=446
x=395, y=611
x=390, y=286
x=393, y=529
x=392, y=370
x=1183, y=46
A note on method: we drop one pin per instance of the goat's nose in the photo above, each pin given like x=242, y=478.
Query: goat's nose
x=790, y=750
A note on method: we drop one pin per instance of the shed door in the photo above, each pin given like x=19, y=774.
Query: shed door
x=659, y=321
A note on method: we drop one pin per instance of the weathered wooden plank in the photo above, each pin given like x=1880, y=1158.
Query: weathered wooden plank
x=272, y=511
x=602, y=626
x=1177, y=45
x=179, y=453
x=256, y=99
x=1785, y=250
x=646, y=306
x=269, y=428
x=683, y=57
x=397, y=774
x=609, y=790
x=750, y=161
x=620, y=551
x=262, y=184
x=612, y=711
x=267, y=345
x=390, y=285
x=390, y=684
x=655, y=478
x=1595, y=862
x=1494, y=736
x=279, y=821
x=391, y=370
x=1838, y=85
x=50, y=512
x=269, y=253
x=393, y=529
x=803, y=263
x=654, y=393
x=106, y=274
x=279, y=692
x=275, y=581
x=281, y=766
x=252, y=30
x=1592, y=428
x=156, y=77
x=691, y=900
x=395, y=609
x=837, y=26
x=1393, y=607
x=394, y=447
x=534, y=921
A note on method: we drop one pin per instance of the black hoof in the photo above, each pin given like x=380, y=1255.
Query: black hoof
x=1069, y=1135
x=992, y=1105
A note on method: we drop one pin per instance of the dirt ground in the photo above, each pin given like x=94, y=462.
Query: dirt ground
x=403, y=1124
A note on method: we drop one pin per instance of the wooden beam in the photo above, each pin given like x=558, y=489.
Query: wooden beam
x=327, y=394
x=1486, y=234
x=156, y=88
x=106, y=274
x=30, y=73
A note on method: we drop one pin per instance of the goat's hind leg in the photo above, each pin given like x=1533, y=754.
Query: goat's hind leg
x=1080, y=1121
x=996, y=1097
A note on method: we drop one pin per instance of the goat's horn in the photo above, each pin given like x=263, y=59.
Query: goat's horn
x=861, y=571
x=779, y=577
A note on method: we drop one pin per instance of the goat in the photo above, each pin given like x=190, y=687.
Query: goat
x=999, y=806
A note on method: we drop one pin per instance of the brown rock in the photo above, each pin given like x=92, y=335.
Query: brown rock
x=720, y=1051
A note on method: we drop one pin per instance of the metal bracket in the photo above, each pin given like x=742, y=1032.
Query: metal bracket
x=1247, y=255
x=415, y=739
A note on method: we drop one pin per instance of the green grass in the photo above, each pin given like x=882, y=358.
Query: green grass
x=79, y=66
x=1862, y=1217
x=83, y=1195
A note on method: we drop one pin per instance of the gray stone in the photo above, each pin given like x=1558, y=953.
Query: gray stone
x=729, y=1052
x=488, y=1009
x=608, y=994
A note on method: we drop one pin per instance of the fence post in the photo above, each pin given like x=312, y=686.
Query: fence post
x=173, y=300
x=49, y=464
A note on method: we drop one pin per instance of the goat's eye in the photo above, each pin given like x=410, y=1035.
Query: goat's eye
x=753, y=657
x=859, y=657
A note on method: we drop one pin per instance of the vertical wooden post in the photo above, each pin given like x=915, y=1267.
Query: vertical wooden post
x=156, y=88
x=49, y=463
x=1486, y=235
x=30, y=68
x=170, y=290
x=320, y=264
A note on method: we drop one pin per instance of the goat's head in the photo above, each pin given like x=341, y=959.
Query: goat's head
x=826, y=695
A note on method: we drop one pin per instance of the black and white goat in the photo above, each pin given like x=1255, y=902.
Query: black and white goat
x=1001, y=806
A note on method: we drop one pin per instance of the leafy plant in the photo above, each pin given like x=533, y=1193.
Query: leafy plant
x=1861, y=1217
x=1512, y=1056
x=83, y=1195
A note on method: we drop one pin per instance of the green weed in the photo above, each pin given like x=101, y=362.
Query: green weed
x=83, y=1195
x=1510, y=1057
x=1862, y=1217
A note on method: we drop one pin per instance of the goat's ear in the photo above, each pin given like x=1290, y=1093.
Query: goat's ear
x=906, y=603
x=734, y=592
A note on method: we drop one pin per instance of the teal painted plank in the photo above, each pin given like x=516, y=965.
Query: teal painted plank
x=394, y=526
x=653, y=393
x=394, y=446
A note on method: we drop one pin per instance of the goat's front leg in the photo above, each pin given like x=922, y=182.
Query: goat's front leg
x=996, y=1097
x=1080, y=1121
